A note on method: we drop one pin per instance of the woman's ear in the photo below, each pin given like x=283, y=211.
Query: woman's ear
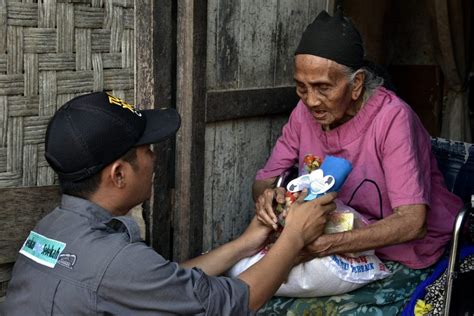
x=358, y=85
x=117, y=174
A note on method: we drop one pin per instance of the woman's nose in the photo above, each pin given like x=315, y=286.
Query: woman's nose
x=312, y=99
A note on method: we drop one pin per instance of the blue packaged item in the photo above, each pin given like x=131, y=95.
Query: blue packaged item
x=335, y=167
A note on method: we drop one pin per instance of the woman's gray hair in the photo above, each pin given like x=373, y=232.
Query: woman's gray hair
x=371, y=81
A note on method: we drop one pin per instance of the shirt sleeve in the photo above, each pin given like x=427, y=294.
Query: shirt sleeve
x=406, y=158
x=286, y=150
x=141, y=282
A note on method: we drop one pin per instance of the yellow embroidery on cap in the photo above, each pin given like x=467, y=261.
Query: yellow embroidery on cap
x=123, y=104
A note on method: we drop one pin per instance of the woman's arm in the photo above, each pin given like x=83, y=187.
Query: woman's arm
x=407, y=223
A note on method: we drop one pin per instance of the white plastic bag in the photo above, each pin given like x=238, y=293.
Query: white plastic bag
x=331, y=275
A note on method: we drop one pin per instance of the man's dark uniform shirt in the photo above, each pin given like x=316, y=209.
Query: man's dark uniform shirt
x=105, y=268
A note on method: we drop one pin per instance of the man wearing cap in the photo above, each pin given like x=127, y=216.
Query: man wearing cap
x=345, y=111
x=86, y=256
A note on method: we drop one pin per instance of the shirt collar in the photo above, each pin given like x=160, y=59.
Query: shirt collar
x=97, y=214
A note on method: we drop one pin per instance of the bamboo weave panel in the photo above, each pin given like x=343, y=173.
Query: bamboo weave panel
x=50, y=52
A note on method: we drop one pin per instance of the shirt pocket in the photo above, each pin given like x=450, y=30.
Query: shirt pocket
x=71, y=298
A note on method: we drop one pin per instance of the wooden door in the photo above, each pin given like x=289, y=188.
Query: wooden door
x=234, y=92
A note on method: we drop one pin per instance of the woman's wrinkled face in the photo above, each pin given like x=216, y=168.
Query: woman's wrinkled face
x=324, y=87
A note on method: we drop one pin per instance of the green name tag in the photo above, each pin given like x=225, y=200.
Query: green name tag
x=41, y=249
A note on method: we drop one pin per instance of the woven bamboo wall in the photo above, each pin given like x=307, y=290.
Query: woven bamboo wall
x=51, y=51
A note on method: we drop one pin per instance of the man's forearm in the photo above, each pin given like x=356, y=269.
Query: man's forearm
x=266, y=276
x=402, y=226
x=218, y=260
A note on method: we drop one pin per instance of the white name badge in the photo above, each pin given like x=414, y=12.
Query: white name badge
x=42, y=250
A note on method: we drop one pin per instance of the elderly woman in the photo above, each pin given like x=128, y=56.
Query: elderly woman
x=345, y=111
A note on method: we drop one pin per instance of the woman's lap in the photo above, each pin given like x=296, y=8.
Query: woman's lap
x=382, y=297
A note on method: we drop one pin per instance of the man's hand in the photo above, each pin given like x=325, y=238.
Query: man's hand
x=309, y=218
x=304, y=223
x=264, y=206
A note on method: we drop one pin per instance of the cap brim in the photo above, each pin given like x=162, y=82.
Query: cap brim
x=160, y=124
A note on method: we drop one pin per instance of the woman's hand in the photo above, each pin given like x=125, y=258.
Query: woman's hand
x=265, y=203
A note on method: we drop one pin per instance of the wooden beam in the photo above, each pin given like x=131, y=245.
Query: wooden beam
x=155, y=88
x=164, y=26
x=5, y=276
x=235, y=104
x=190, y=97
x=144, y=79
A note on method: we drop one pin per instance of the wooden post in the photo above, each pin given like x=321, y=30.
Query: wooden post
x=191, y=98
x=155, y=88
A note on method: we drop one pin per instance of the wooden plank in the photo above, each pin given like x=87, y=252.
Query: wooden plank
x=190, y=100
x=316, y=6
x=155, y=59
x=233, y=104
x=144, y=81
x=223, y=44
x=21, y=209
x=257, y=45
x=235, y=150
x=5, y=276
x=292, y=21
x=165, y=53
x=330, y=5
x=277, y=122
x=159, y=214
x=220, y=183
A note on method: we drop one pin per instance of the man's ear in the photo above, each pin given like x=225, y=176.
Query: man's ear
x=358, y=84
x=117, y=174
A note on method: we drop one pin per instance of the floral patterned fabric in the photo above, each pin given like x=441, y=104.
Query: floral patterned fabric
x=436, y=291
x=384, y=297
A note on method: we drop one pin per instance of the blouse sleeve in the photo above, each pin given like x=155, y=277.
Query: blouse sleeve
x=406, y=158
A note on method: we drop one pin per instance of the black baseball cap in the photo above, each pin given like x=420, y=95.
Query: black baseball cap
x=92, y=130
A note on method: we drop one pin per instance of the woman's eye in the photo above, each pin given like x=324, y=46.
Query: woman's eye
x=323, y=88
x=301, y=88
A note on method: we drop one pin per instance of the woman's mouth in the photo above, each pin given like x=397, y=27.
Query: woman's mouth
x=319, y=114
